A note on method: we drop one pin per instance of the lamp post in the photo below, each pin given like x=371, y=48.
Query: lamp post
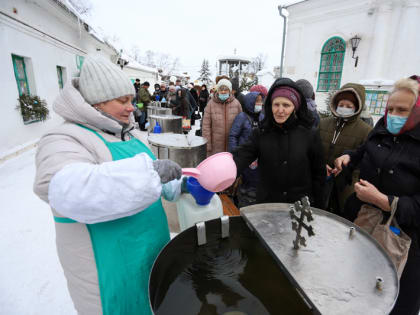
x=354, y=44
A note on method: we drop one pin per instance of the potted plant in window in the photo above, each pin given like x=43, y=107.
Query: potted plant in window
x=32, y=108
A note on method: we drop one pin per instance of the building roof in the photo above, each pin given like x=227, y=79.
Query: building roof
x=135, y=65
x=66, y=5
x=265, y=71
x=293, y=4
x=234, y=58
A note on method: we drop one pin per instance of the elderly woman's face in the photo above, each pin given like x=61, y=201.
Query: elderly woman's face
x=119, y=108
x=282, y=109
x=400, y=103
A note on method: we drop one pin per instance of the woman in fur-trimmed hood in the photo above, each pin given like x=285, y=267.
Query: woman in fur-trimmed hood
x=289, y=152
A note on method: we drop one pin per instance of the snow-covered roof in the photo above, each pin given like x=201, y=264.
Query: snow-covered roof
x=377, y=82
x=294, y=3
x=234, y=58
x=135, y=65
x=66, y=4
x=265, y=71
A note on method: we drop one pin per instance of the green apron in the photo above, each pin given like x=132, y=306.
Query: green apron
x=126, y=248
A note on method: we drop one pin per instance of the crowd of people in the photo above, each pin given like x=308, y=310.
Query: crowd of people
x=284, y=150
x=104, y=185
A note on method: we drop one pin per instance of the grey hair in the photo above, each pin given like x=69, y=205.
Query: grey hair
x=408, y=85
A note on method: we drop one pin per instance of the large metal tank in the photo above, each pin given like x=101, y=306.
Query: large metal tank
x=186, y=150
x=168, y=123
x=156, y=110
x=248, y=264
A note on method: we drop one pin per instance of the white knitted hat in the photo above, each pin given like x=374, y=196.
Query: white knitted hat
x=224, y=82
x=100, y=81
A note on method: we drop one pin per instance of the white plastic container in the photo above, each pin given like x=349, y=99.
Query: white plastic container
x=190, y=213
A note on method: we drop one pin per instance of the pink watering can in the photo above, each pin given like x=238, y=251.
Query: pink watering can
x=215, y=173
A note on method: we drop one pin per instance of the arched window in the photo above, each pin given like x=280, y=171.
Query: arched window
x=331, y=65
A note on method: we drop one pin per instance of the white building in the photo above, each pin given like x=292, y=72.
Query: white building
x=319, y=46
x=43, y=43
x=265, y=77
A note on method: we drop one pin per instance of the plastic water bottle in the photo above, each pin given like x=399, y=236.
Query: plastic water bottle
x=157, y=128
x=197, y=206
x=396, y=230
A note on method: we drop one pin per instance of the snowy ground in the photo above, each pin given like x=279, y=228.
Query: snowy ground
x=31, y=277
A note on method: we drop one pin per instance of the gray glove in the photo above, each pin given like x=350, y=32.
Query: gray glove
x=168, y=170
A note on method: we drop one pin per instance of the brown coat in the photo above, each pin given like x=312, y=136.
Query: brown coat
x=217, y=121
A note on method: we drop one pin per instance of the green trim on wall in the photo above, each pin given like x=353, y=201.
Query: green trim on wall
x=79, y=61
x=19, y=80
x=331, y=64
x=60, y=77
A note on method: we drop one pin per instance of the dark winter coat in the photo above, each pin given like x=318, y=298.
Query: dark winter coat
x=194, y=94
x=191, y=101
x=163, y=94
x=241, y=98
x=241, y=130
x=392, y=164
x=352, y=133
x=244, y=123
x=203, y=99
x=312, y=108
x=145, y=97
x=181, y=106
x=290, y=159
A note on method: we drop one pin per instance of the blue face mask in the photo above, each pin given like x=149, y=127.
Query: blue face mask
x=223, y=97
x=395, y=123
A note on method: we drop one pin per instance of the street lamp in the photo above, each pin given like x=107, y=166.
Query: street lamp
x=354, y=44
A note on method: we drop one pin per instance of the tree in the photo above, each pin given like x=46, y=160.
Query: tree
x=135, y=53
x=205, y=72
x=149, y=59
x=247, y=82
x=258, y=63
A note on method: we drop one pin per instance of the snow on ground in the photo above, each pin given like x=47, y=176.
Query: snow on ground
x=31, y=277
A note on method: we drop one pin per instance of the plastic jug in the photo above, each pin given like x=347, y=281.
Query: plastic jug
x=157, y=128
x=200, y=205
x=190, y=213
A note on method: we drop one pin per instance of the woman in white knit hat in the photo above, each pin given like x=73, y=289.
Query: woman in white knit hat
x=219, y=115
x=104, y=187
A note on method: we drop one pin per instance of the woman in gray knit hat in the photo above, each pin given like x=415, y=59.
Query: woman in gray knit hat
x=104, y=187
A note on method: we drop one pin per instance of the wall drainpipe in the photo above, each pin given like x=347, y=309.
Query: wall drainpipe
x=280, y=7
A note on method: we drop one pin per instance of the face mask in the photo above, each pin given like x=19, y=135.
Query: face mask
x=395, y=123
x=257, y=108
x=344, y=111
x=223, y=97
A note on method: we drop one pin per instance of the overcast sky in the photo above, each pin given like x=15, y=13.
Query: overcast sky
x=194, y=30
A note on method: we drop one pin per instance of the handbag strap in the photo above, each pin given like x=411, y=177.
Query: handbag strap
x=394, y=206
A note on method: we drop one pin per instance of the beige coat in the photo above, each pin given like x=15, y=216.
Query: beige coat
x=217, y=121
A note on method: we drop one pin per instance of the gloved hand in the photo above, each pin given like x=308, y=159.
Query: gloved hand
x=168, y=170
